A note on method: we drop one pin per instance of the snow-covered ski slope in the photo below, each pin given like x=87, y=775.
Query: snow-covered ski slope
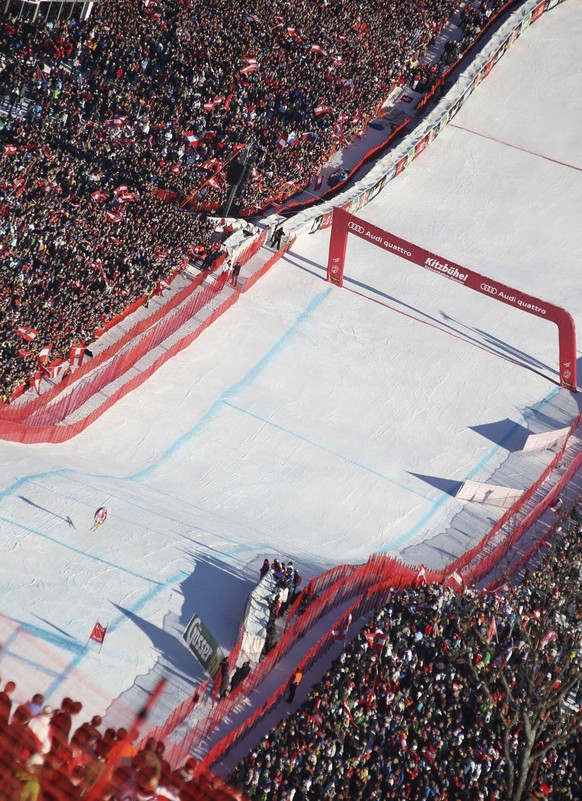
x=313, y=423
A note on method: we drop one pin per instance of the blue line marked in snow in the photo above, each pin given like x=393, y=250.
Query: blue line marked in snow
x=323, y=448
x=404, y=538
x=244, y=382
x=163, y=458
x=79, y=551
x=118, y=620
x=21, y=482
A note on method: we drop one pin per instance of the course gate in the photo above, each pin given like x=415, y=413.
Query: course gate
x=345, y=223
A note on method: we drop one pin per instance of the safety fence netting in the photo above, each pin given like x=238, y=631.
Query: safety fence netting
x=61, y=750
x=368, y=585
x=57, y=416
x=70, y=406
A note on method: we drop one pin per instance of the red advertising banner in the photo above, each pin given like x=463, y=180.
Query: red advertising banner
x=345, y=223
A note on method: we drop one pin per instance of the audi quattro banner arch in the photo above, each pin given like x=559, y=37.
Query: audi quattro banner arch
x=344, y=223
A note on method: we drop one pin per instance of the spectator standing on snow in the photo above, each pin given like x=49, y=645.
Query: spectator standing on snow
x=235, y=274
x=277, y=236
x=293, y=684
x=265, y=568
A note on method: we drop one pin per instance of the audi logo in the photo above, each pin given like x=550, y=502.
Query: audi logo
x=489, y=289
x=359, y=229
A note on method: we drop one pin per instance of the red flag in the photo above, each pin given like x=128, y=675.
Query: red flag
x=249, y=69
x=98, y=633
x=76, y=355
x=9, y=150
x=127, y=197
x=99, y=194
x=322, y=110
x=342, y=632
x=549, y=636
x=36, y=380
x=492, y=630
x=455, y=581
x=29, y=334
x=44, y=354
x=54, y=368
x=507, y=657
x=194, y=139
x=113, y=216
x=317, y=718
x=376, y=639
x=19, y=186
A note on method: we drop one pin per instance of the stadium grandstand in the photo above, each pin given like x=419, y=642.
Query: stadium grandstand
x=441, y=691
x=48, y=10
x=136, y=144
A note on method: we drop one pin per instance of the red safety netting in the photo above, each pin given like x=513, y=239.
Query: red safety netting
x=47, y=418
x=371, y=584
x=480, y=560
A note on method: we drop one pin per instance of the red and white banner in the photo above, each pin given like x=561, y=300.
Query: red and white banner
x=342, y=632
x=76, y=354
x=491, y=630
x=345, y=223
x=30, y=334
x=44, y=354
x=54, y=369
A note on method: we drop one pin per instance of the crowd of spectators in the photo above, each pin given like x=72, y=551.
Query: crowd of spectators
x=109, y=126
x=417, y=704
x=47, y=754
x=415, y=707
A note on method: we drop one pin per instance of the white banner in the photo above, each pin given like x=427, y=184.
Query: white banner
x=490, y=494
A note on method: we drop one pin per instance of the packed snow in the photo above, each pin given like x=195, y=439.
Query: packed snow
x=312, y=423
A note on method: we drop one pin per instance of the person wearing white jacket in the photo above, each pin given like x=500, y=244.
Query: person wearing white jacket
x=40, y=727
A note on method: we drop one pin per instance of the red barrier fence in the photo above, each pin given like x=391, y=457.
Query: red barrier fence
x=45, y=419
x=370, y=584
x=526, y=558
x=479, y=561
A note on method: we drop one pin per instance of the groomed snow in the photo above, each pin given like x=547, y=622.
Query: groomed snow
x=311, y=423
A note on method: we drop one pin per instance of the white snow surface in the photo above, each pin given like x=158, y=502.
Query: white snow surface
x=313, y=423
